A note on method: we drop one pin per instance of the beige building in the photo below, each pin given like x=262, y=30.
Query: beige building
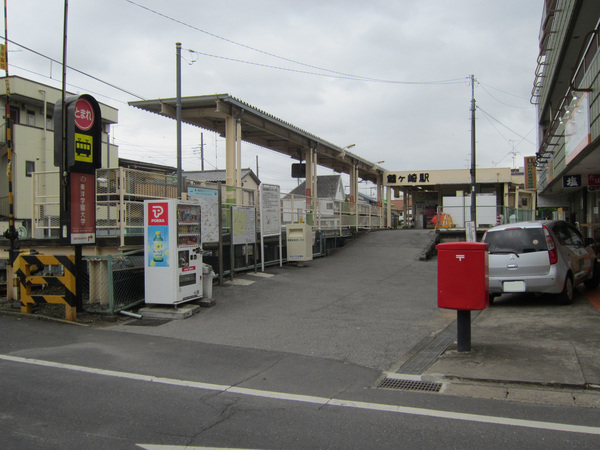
x=32, y=126
x=500, y=193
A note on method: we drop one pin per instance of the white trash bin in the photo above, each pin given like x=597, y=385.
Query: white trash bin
x=208, y=276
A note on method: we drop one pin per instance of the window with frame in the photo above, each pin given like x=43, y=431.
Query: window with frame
x=29, y=168
x=30, y=118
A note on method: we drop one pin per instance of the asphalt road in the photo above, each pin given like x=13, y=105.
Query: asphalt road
x=291, y=361
x=64, y=386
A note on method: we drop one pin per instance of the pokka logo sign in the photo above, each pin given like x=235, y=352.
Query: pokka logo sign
x=158, y=213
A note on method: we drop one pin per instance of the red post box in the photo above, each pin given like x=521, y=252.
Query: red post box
x=463, y=276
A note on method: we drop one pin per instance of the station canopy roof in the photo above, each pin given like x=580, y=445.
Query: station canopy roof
x=260, y=128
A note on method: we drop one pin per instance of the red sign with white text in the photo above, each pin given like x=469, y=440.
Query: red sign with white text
x=84, y=114
x=593, y=180
x=158, y=213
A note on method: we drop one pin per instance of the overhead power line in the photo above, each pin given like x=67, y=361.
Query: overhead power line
x=524, y=138
x=77, y=70
x=330, y=75
x=336, y=74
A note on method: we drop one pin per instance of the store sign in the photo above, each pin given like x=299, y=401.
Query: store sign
x=594, y=180
x=572, y=181
x=530, y=173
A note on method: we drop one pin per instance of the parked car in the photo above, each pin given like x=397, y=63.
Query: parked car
x=542, y=257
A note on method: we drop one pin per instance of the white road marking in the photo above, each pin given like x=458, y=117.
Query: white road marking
x=322, y=401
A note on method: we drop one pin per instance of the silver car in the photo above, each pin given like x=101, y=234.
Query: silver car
x=542, y=257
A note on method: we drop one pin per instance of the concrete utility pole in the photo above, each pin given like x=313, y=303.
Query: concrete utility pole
x=178, y=118
x=11, y=232
x=473, y=164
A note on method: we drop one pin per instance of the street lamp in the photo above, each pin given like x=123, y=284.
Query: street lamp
x=346, y=148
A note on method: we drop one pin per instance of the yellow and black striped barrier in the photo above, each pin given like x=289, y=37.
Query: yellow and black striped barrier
x=26, y=267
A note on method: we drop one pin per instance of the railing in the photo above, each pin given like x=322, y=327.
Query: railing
x=330, y=214
x=120, y=194
x=46, y=205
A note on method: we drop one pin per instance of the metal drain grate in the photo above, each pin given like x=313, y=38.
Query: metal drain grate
x=409, y=385
x=148, y=322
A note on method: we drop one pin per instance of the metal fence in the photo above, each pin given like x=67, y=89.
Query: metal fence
x=330, y=214
x=46, y=205
x=113, y=283
x=120, y=212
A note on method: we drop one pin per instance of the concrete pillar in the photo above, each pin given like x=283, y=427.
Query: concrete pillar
x=238, y=161
x=230, y=165
x=388, y=194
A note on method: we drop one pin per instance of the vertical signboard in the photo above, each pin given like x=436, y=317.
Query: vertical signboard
x=270, y=210
x=530, y=173
x=83, y=208
x=208, y=199
x=270, y=218
x=78, y=154
x=243, y=225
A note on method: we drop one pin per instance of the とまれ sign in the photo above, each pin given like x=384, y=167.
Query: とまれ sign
x=81, y=152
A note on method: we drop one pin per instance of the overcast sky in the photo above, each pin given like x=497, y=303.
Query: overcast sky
x=390, y=76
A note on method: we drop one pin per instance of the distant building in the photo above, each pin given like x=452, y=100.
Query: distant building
x=250, y=181
x=330, y=197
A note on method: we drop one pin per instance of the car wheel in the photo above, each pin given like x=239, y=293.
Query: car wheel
x=593, y=282
x=566, y=296
x=492, y=297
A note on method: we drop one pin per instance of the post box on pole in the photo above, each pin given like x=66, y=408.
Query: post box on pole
x=463, y=283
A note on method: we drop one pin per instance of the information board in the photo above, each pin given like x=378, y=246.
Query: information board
x=244, y=225
x=270, y=210
x=208, y=199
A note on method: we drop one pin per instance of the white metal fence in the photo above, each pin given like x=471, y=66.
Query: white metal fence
x=120, y=194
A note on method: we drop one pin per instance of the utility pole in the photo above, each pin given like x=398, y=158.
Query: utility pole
x=473, y=162
x=178, y=118
x=11, y=232
x=202, y=150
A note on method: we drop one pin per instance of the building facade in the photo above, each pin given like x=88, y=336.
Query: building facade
x=32, y=132
x=566, y=91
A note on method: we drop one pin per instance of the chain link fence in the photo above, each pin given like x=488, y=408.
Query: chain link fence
x=113, y=283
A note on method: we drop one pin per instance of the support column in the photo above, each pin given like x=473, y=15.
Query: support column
x=380, y=199
x=238, y=161
x=388, y=194
x=355, y=186
x=309, y=185
x=405, y=200
x=315, y=197
x=230, y=165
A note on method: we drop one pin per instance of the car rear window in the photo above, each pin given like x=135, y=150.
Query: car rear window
x=516, y=240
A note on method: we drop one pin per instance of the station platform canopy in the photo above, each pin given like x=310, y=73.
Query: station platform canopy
x=260, y=128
